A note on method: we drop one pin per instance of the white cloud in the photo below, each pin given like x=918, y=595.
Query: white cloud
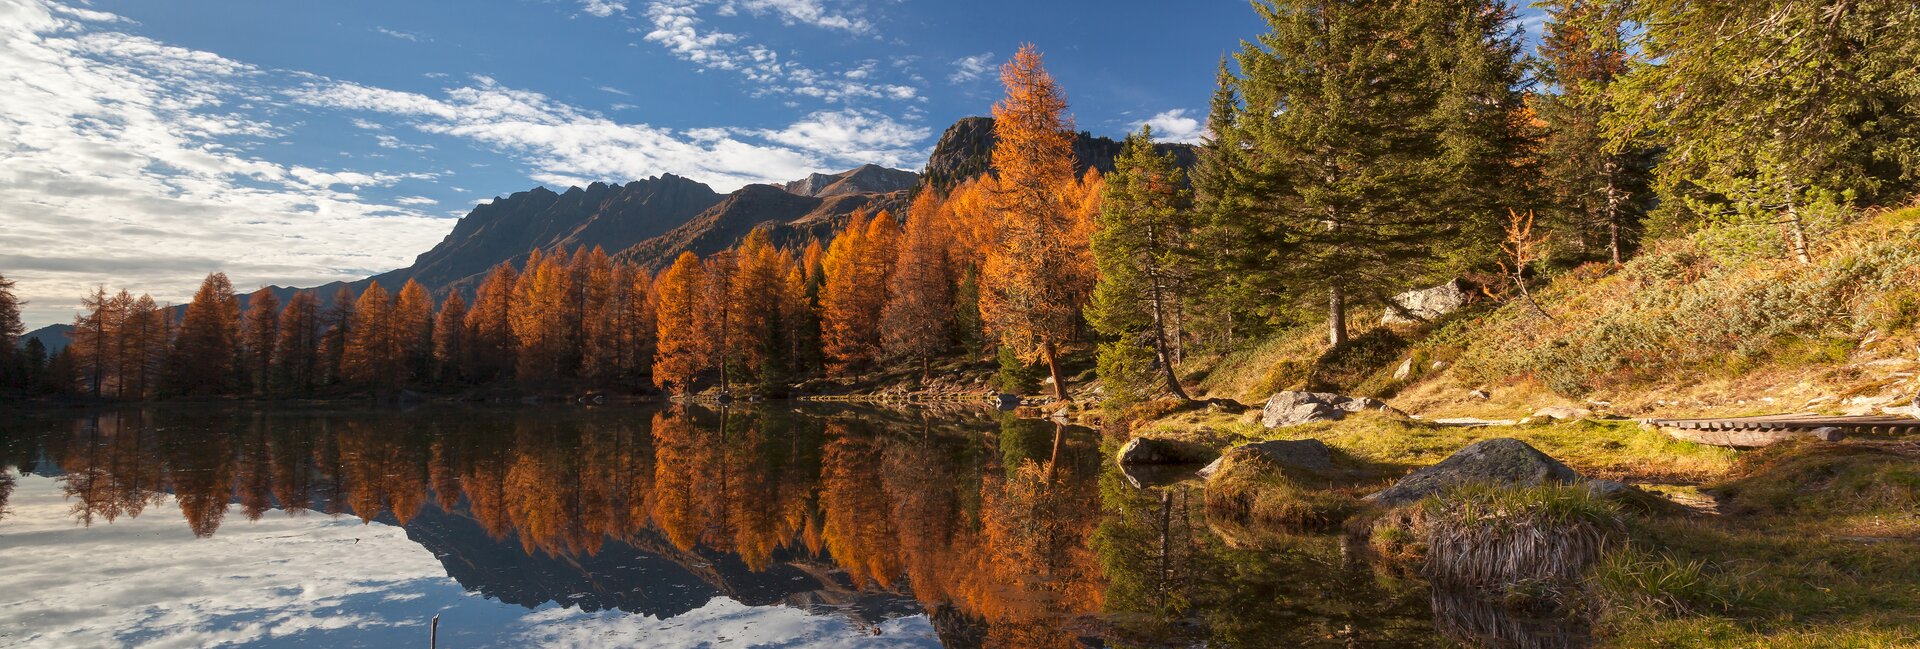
x=603, y=8
x=123, y=161
x=854, y=135
x=971, y=68
x=617, y=91
x=804, y=12
x=405, y=36
x=1173, y=126
x=677, y=26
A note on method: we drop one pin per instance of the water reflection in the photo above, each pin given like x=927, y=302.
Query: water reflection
x=1000, y=532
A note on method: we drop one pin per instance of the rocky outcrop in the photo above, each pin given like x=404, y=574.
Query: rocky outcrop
x=1148, y=450
x=1309, y=455
x=867, y=179
x=1562, y=412
x=1500, y=461
x=965, y=150
x=1292, y=408
x=1429, y=303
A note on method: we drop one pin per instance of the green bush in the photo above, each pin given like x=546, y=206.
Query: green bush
x=1016, y=375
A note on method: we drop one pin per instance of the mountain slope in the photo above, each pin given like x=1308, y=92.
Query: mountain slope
x=868, y=179
x=966, y=150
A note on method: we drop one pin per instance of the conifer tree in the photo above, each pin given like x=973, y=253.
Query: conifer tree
x=296, y=358
x=204, y=351
x=544, y=316
x=916, y=322
x=371, y=358
x=682, y=349
x=259, y=334
x=94, y=333
x=600, y=295
x=337, y=322
x=756, y=306
x=449, y=339
x=11, y=329
x=1598, y=195
x=1370, y=138
x=1031, y=288
x=146, y=333
x=1778, y=116
x=1141, y=249
x=716, y=316
x=634, y=327
x=413, y=332
x=491, y=346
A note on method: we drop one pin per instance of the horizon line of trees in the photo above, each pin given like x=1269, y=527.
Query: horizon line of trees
x=1353, y=150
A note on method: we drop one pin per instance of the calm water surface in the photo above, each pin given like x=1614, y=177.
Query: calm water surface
x=682, y=527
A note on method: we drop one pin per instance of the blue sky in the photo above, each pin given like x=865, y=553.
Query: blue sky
x=144, y=144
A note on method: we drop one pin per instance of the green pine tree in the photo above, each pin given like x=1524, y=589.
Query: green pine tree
x=1145, y=225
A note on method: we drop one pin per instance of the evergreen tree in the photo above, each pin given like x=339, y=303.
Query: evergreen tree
x=1141, y=249
x=93, y=339
x=1777, y=115
x=1596, y=194
x=1373, y=139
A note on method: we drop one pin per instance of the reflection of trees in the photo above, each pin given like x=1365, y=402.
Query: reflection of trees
x=991, y=529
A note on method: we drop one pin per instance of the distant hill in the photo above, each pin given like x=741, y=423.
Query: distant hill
x=966, y=150
x=54, y=336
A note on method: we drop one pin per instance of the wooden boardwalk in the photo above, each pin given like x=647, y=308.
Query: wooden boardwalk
x=1769, y=429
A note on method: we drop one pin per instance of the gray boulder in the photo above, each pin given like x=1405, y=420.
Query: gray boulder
x=1147, y=450
x=1293, y=408
x=1429, y=303
x=1562, y=412
x=1501, y=461
x=1307, y=454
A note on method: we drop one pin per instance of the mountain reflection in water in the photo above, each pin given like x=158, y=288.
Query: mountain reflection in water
x=956, y=529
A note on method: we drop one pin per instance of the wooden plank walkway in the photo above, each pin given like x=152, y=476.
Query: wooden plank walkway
x=1867, y=424
x=1747, y=432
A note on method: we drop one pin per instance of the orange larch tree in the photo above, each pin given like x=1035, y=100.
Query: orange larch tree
x=856, y=270
x=259, y=335
x=917, y=320
x=204, y=351
x=681, y=348
x=369, y=358
x=413, y=332
x=491, y=346
x=1031, y=280
x=450, y=339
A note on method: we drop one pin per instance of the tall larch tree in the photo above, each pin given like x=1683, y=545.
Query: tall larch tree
x=413, y=332
x=147, y=334
x=756, y=306
x=337, y=329
x=204, y=350
x=11, y=329
x=634, y=328
x=600, y=295
x=717, y=318
x=257, y=337
x=296, y=357
x=449, y=340
x=371, y=358
x=1142, y=249
x=917, y=322
x=543, y=316
x=681, y=348
x=1779, y=117
x=1031, y=288
x=94, y=333
x=491, y=346
x=857, y=268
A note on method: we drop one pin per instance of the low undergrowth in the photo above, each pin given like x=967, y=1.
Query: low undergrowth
x=1256, y=491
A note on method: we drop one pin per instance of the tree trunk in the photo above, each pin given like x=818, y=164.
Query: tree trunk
x=1799, y=232
x=1336, y=317
x=1160, y=346
x=1053, y=461
x=1613, y=212
x=926, y=368
x=1053, y=367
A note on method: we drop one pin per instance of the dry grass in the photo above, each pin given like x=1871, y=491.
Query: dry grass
x=1500, y=537
x=1257, y=491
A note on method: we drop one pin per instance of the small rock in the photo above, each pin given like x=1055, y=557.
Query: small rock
x=1500, y=461
x=1308, y=454
x=1292, y=408
x=1149, y=450
x=1439, y=365
x=1480, y=393
x=1009, y=401
x=1405, y=370
x=1562, y=412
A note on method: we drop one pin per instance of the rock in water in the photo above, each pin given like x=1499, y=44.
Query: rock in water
x=1501, y=461
x=1308, y=454
x=1148, y=450
x=1430, y=303
x=1293, y=408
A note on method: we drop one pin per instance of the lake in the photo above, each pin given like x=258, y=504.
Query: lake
x=766, y=526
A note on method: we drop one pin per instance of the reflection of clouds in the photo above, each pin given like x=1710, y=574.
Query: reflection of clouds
x=317, y=581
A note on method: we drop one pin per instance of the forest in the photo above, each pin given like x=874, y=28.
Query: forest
x=1354, y=150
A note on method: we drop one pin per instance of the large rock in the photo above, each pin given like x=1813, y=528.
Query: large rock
x=1148, y=450
x=1501, y=461
x=1429, y=303
x=1293, y=408
x=1306, y=454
